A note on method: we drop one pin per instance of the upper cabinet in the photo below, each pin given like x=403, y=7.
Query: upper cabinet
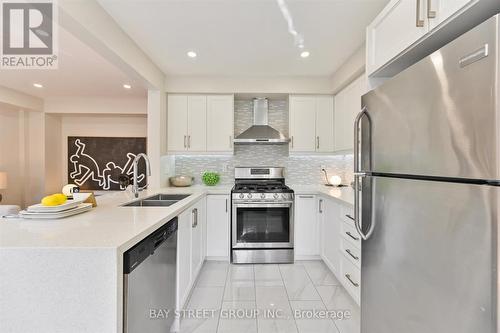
x=399, y=25
x=311, y=124
x=440, y=10
x=400, y=35
x=347, y=106
x=200, y=123
x=220, y=123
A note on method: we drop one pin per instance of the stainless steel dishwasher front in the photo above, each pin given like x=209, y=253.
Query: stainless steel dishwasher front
x=149, y=272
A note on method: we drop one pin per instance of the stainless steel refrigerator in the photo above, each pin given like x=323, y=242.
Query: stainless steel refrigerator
x=427, y=160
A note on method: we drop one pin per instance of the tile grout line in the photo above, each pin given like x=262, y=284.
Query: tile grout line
x=222, y=299
x=255, y=296
x=321, y=298
x=288, y=297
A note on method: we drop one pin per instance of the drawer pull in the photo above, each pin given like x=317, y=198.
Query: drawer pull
x=352, y=255
x=349, y=217
x=348, y=233
x=348, y=277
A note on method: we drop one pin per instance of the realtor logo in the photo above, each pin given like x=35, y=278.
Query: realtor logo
x=28, y=34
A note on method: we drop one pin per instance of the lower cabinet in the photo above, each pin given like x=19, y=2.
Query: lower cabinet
x=341, y=244
x=330, y=235
x=306, y=226
x=190, y=249
x=218, y=227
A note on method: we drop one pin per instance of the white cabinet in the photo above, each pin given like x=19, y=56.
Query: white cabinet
x=405, y=25
x=200, y=123
x=311, y=123
x=306, y=226
x=197, y=119
x=330, y=235
x=183, y=258
x=347, y=106
x=443, y=9
x=190, y=249
x=397, y=27
x=198, y=218
x=218, y=226
x=187, y=117
x=177, y=122
x=302, y=123
x=324, y=124
x=220, y=123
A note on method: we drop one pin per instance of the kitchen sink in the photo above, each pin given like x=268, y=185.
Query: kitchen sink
x=158, y=200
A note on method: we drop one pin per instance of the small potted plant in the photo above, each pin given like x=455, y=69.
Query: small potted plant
x=210, y=178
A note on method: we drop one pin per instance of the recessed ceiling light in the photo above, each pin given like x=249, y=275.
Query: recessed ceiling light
x=191, y=54
x=127, y=86
x=304, y=54
x=37, y=85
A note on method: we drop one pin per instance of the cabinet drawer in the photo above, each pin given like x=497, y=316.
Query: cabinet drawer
x=347, y=214
x=350, y=233
x=351, y=252
x=351, y=278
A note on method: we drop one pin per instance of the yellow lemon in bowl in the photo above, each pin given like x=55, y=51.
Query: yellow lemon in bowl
x=54, y=200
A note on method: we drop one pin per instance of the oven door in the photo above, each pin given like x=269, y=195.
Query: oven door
x=262, y=225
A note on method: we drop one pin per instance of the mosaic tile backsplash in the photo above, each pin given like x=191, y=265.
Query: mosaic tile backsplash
x=300, y=170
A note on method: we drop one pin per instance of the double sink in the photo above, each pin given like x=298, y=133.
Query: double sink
x=158, y=200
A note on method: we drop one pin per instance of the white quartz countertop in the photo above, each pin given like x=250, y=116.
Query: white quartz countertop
x=344, y=195
x=109, y=225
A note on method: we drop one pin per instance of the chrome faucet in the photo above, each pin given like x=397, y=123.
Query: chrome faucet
x=135, y=186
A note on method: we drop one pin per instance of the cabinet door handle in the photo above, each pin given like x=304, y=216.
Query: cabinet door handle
x=320, y=205
x=189, y=141
x=352, y=255
x=352, y=236
x=317, y=142
x=230, y=141
x=195, y=218
x=430, y=13
x=291, y=140
x=420, y=22
x=350, y=280
x=185, y=144
x=226, y=205
x=306, y=196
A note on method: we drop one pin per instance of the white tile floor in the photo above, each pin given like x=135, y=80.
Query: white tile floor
x=254, y=289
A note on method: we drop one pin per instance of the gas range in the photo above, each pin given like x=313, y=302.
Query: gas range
x=262, y=216
x=262, y=190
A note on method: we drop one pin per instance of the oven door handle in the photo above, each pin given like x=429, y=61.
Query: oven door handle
x=253, y=204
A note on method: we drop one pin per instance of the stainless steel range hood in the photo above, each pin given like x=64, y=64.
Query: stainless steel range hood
x=261, y=132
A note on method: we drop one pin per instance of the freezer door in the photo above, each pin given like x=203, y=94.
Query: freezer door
x=430, y=264
x=440, y=117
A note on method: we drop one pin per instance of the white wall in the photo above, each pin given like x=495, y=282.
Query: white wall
x=96, y=105
x=257, y=84
x=349, y=71
x=10, y=159
x=98, y=125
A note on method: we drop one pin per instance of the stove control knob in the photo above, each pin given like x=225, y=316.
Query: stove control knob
x=275, y=195
x=249, y=196
x=241, y=196
x=284, y=196
x=263, y=196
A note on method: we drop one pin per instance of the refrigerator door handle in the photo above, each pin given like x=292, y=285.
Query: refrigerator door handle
x=358, y=174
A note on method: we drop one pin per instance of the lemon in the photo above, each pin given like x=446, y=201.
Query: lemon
x=54, y=200
x=61, y=198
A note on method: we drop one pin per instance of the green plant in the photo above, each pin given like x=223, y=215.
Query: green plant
x=210, y=178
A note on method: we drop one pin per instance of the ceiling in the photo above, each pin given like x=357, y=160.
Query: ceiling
x=245, y=37
x=82, y=73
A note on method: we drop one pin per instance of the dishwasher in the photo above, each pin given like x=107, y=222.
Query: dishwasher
x=149, y=273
